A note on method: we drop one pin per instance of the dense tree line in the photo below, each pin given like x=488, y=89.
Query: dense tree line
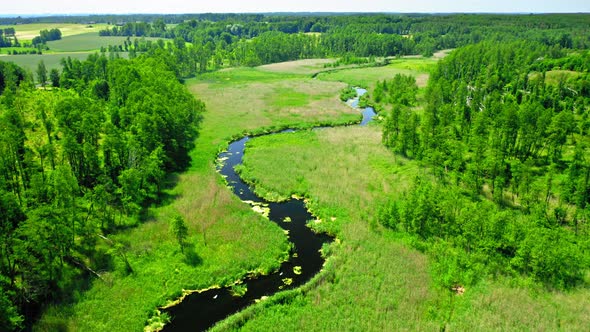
x=46, y=35
x=138, y=29
x=113, y=18
x=8, y=37
x=78, y=162
x=506, y=122
x=258, y=39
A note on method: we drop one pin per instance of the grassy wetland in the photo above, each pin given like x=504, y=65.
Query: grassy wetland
x=343, y=173
x=228, y=238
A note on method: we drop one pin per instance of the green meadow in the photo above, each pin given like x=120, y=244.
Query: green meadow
x=367, y=77
x=372, y=280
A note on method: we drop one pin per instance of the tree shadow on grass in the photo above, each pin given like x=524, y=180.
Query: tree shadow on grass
x=190, y=255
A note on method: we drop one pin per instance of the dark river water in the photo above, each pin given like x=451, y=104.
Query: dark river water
x=200, y=311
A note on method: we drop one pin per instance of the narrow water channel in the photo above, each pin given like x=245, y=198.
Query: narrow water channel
x=200, y=311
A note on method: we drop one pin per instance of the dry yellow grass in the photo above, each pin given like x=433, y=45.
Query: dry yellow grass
x=309, y=66
x=442, y=53
x=497, y=307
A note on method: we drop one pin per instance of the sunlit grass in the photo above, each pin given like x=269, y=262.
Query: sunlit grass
x=26, y=32
x=344, y=171
x=367, y=77
x=89, y=41
x=306, y=67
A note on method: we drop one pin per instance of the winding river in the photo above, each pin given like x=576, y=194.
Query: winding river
x=200, y=311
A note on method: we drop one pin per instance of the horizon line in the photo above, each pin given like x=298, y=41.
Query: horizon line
x=48, y=15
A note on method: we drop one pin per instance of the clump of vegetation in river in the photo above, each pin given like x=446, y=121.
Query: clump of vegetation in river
x=239, y=289
x=347, y=93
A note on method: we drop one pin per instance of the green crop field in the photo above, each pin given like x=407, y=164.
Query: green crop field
x=89, y=41
x=52, y=60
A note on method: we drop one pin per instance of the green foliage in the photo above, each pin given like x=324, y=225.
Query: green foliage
x=347, y=93
x=47, y=35
x=484, y=130
x=239, y=290
x=179, y=231
x=497, y=130
x=401, y=90
x=10, y=319
x=552, y=256
x=76, y=159
x=42, y=73
x=470, y=238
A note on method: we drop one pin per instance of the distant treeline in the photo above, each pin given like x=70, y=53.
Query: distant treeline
x=113, y=19
x=47, y=35
x=250, y=40
x=372, y=34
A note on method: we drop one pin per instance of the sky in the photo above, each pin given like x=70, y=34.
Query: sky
x=36, y=7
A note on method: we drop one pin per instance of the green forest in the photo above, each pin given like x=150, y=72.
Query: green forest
x=504, y=132
x=479, y=165
x=80, y=162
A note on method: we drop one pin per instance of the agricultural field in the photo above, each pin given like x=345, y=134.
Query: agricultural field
x=26, y=32
x=51, y=60
x=89, y=41
x=78, y=41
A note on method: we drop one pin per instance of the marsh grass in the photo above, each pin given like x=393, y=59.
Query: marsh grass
x=306, y=67
x=372, y=281
x=349, y=168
